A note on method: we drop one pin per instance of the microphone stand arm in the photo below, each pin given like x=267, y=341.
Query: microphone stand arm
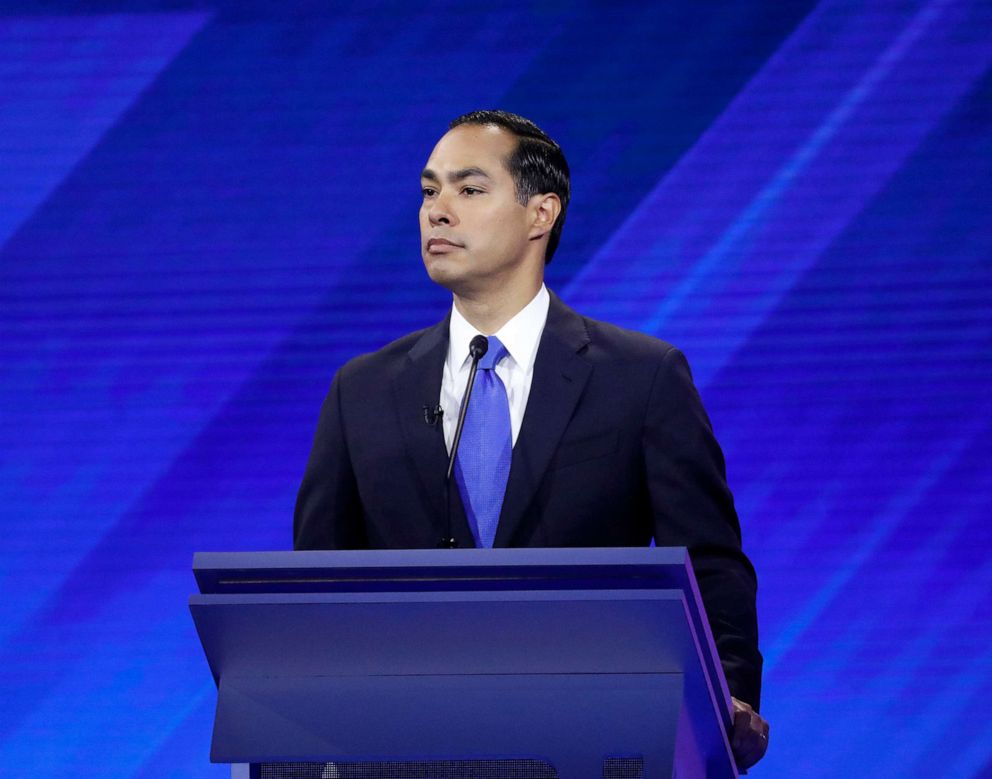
x=461, y=418
x=477, y=350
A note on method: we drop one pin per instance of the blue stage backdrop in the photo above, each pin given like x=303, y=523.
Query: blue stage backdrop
x=206, y=207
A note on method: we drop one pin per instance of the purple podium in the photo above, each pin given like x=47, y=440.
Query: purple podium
x=450, y=664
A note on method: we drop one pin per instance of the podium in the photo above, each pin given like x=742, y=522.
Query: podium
x=458, y=663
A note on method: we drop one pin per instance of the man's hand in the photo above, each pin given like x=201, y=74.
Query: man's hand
x=749, y=737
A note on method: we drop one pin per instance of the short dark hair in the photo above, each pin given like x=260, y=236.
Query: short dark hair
x=537, y=165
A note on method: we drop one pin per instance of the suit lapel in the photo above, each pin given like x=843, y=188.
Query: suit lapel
x=560, y=375
x=418, y=383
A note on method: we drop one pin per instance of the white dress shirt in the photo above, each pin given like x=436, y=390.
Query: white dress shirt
x=521, y=337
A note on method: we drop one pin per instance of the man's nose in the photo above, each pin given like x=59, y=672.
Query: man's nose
x=440, y=212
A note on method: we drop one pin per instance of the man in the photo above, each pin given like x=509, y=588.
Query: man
x=589, y=435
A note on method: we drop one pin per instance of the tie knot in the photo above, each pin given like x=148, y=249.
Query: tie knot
x=493, y=355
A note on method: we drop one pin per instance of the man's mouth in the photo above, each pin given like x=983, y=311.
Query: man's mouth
x=440, y=245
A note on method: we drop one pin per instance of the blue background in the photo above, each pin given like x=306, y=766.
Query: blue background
x=207, y=207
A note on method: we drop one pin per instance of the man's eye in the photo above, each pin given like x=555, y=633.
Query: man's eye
x=427, y=191
x=471, y=191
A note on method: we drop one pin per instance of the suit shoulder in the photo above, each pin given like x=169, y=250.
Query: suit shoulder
x=612, y=341
x=382, y=361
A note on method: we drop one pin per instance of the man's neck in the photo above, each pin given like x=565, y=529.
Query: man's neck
x=488, y=313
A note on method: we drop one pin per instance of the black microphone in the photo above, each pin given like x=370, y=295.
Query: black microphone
x=477, y=349
x=433, y=414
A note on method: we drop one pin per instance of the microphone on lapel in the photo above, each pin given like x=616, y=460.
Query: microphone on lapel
x=433, y=415
x=477, y=349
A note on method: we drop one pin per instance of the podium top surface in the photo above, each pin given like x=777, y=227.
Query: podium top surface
x=417, y=570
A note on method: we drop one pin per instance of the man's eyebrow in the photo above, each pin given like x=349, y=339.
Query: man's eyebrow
x=457, y=175
x=465, y=173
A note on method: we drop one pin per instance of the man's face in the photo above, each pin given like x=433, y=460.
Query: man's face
x=473, y=231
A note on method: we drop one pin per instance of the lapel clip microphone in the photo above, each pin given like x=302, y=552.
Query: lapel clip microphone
x=433, y=414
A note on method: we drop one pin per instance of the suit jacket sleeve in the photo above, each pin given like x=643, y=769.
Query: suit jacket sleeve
x=693, y=507
x=328, y=510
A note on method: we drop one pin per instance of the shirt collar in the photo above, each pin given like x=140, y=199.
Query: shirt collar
x=521, y=335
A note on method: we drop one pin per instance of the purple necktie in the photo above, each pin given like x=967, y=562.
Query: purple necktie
x=483, y=463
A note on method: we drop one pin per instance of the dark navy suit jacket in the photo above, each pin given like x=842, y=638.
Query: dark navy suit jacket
x=615, y=449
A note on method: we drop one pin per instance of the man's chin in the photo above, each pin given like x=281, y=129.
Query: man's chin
x=442, y=271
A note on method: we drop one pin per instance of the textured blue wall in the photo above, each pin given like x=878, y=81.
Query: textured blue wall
x=207, y=207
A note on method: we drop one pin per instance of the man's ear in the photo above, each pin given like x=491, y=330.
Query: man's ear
x=546, y=209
